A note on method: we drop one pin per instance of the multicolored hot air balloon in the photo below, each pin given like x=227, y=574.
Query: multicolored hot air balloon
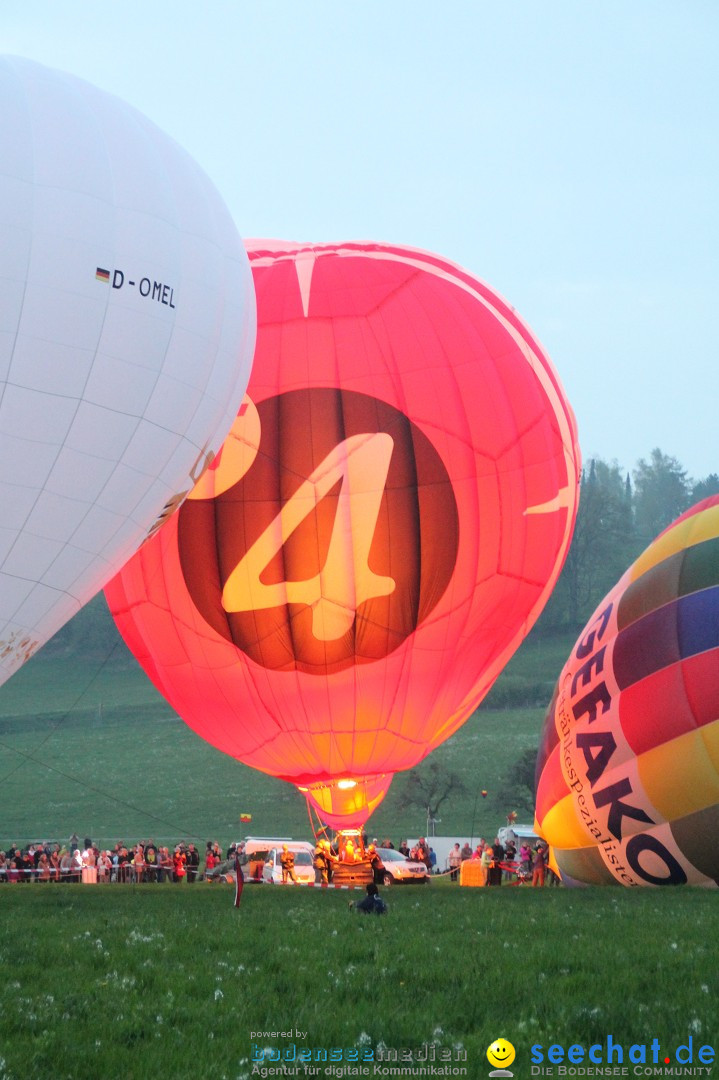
x=628, y=770
x=383, y=526
x=127, y=325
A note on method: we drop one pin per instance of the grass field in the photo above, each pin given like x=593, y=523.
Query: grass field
x=88, y=746
x=172, y=981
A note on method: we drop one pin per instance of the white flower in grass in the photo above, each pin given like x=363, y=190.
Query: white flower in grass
x=674, y=945
x=437, y=1032
x=704, y=988
x=695, y=1025
x=363, y=1039
x=218, y=994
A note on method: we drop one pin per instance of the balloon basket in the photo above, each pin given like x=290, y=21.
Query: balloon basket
x=349, y=874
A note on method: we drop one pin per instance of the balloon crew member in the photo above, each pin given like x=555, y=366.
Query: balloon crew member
x=323, y=863
x=287, y=861
x=376, y=864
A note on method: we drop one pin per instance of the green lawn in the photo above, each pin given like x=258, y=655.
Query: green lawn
x=171, y=981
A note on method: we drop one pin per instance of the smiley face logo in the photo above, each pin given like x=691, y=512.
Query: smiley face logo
x=500, y=1054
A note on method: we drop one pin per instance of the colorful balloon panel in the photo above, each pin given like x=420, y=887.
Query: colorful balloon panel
x=383, y=525
x=628, y=770
x=127, y=324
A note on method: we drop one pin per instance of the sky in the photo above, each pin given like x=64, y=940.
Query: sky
x=565, y=152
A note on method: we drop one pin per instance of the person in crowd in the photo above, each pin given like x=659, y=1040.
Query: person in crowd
x=54, y=858
x=178, y=865
x=165, y=866
x=3, y=867
x=16, y=865
x=151, y=861
x=104, y=866
x=210, y=863
x=466, y=850
x=138, y=860
x=65, y=865
x=525, y=858
x=454, y=860
x=373, y=904
x=44, y=869
x=539, y=865
x=510, y=859
x=193, y=864
x=387, y=843
x=404, y=848
x=89, y=865
x=287, y=861
x=76, y=866
x=124, y=870
x=485, y=861
x=423, y=853
x=495, y=872
x=28, y=866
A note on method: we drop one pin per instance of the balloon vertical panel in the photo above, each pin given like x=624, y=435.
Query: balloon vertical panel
x=386, y=520
x=122, y=359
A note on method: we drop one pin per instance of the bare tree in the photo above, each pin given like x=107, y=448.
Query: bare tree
x=429, y=787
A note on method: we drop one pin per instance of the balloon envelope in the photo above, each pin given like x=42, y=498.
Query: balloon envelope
x=127, y=326
x=383, y=525
x=628, y=769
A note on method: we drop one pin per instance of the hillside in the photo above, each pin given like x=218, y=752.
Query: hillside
x=88, y=745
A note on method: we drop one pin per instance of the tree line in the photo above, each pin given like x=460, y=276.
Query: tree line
x=620, y=513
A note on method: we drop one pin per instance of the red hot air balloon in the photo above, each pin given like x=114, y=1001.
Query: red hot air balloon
x=381, y=529
x=628, y=769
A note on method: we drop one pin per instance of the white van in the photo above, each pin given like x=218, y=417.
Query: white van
x=304, y=863
x=256, y=850
x=521, y=834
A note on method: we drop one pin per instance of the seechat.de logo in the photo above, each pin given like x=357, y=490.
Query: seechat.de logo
x=500, y=1054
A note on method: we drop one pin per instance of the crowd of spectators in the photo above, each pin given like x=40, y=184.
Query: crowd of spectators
x=505, y=862
x=84, y=861
x=146, y=861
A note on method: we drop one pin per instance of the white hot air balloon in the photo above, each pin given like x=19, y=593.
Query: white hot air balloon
x=127, y=329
